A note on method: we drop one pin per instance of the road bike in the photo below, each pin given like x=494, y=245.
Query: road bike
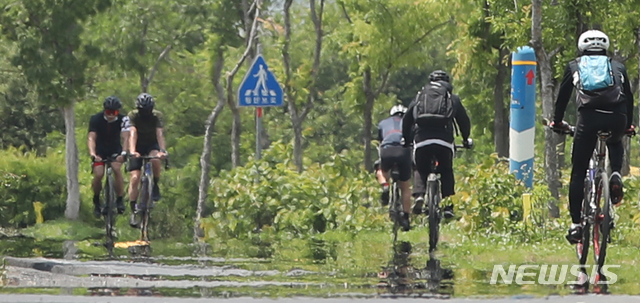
x=433, y=197
x=597, y=213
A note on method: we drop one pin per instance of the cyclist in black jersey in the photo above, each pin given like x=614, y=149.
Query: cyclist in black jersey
x=106, y=131
x=147, y=138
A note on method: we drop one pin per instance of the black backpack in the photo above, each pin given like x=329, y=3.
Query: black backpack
x=434, y=107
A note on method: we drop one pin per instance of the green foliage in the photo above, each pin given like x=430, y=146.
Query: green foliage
x=336, y=195
x=490, y=200
x=25, y=179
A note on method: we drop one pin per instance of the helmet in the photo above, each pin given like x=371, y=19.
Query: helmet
x=145, y=101
x=112, y=102
x=439, y=75
x=397, y=109
x=593, y=40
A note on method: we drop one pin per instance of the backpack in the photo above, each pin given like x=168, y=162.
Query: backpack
x=596, y=85
x=434, y=106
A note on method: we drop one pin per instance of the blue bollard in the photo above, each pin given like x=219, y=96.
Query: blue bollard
x=523, y=114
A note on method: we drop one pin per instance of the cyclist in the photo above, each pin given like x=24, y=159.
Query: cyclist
x=392, y=152
x=429, y=126
x=106, y=130
x=610, y=108
x=147, y=138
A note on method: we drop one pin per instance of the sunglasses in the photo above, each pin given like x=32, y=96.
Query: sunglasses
x=111, y=112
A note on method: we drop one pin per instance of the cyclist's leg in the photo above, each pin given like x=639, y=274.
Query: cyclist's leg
x=135, y=165
x=386, y=163
x=119, y=185
x=156, y=165
x=98, y=173
x=584, y=142
x=422, y=160
x=447, y=180
x=404, y=168
x=617, y=124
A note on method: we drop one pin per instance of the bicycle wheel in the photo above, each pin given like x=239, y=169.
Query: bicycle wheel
x=394, y=209
x=109, y=216
x=145, y=194
x=582, y=248
x=603, y=220
x=433, y=198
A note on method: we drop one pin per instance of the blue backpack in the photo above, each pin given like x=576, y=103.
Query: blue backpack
x=596, y=85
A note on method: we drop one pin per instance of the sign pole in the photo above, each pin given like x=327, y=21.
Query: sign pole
x=258, y=116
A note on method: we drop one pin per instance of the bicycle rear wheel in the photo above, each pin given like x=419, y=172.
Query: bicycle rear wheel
x=603, y=220
x=394, y=208
x=433, y=198
x=582, y=248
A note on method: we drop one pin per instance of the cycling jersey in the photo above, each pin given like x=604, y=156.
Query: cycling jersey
x=108, y=139
x=146, y=126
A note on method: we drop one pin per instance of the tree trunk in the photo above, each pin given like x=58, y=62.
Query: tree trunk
x=205, y=159
x=501, y=118
x=71, y=158
x=236, y=129
x=297, y=115
x=368, y=113
x=547, y=88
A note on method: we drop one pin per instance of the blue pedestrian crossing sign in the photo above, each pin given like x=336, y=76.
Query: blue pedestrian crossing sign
x=259, y=87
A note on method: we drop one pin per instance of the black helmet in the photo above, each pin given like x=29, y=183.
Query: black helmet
x=144, y=101
x=439, y=75
x=112, y=102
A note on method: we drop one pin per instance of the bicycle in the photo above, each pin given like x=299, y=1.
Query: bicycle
x=597, y=210
x=433, y=197
x=146, y=202
x=395, y=201
x=110, y=203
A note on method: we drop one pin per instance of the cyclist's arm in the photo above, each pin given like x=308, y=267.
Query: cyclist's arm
x=91, y=143
x=160, y=136
x=566, y=87
x=125, y=133
x=628, y=95
x=462, y=119
x=133, y=138
x=407, y=124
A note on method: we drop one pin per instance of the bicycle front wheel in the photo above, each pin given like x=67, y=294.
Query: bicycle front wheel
x=433, y=198
x=109, y=216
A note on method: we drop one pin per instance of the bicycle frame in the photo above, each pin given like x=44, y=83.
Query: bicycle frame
x=146, y=187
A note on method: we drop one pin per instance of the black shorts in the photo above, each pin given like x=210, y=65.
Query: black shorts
x=390, y=155
x=136, y=163
x=106, y=152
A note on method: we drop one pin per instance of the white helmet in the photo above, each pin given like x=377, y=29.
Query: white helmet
x=593, y=40
x=397, y=109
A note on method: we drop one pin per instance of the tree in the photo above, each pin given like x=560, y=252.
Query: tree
x=308, y=84
x=384, y=36
x=223, y=97
x=53, y=59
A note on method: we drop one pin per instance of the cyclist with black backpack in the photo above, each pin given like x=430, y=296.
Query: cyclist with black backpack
x=605, y=102
x=429, y=126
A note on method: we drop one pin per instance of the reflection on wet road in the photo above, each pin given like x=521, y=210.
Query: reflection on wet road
x=401, y=277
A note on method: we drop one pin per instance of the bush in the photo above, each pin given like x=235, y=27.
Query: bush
x=25, y=179
x=270, y=193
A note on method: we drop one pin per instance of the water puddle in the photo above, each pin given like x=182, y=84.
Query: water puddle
x=317, y=267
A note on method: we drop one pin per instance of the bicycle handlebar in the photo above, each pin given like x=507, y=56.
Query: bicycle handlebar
x=166, y=160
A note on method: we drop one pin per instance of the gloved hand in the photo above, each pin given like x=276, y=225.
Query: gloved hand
x=468, y=143
x=631, y=131
x=562, y=127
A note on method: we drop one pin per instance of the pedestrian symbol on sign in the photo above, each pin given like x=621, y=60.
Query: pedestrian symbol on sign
x=259, y=86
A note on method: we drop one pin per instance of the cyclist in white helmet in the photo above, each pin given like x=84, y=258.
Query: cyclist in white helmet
x=392, y=151
x=605, y=102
